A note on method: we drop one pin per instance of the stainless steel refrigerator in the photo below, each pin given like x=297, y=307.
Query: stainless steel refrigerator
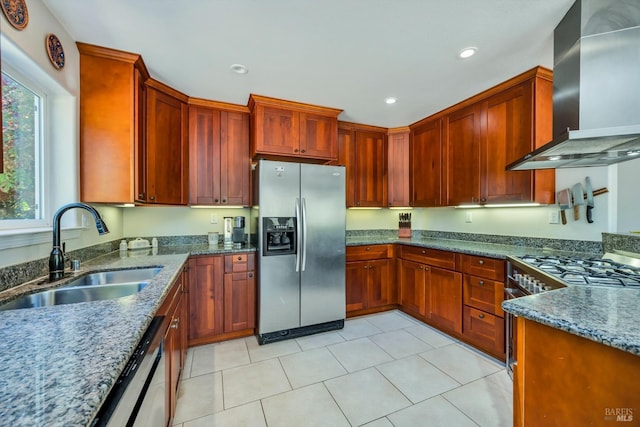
x=301, y=238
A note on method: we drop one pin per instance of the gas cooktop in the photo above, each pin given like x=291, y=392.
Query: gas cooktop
x=586, y=271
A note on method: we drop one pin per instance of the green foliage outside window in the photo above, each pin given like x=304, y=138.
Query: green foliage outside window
x=20, y=119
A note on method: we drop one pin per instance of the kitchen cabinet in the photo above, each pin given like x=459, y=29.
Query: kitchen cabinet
x=239, y=292
x=430, y=287
x=174, y=308
x=602, y=381
x=286, y=129
x=369, y=279
x=426, y=164
x=364, y=153
x=490, y=130
x=205, y=298
x=398, y=167
x=167, y=146
x=219, y=163
x=112, y=125
x=483, y=318
x=222, y=297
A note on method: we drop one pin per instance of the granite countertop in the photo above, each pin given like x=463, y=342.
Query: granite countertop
x=57, y=364
x=492, y=250
x=610, y=316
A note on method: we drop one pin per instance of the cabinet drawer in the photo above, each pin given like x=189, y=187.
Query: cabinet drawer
x=483, y=329
x=239, y=262
x=489, y=268
x=435, y=257
x=359, y=253
x=484, y=294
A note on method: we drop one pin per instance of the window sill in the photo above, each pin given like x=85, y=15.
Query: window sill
x=17, y=238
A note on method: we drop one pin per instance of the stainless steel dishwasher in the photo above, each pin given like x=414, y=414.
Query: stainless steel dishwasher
x=138, y=396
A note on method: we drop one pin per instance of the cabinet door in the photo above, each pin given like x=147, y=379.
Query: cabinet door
x=318, y=136
x=370, y=169
x=356, y=276
x=205, y=297
x=239, y=301
x=235, y=168
x=425, y=169
x=398, y=169
x=346, y=158
x=413, y=293
x=167, y=151
x=380, y=289
x=509, y=136
x=140, y=154
x=445, y=298
x=464, y=136
x=277, y=131
x=204, y=156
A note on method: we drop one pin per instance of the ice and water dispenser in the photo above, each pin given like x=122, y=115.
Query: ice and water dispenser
x=279, y=236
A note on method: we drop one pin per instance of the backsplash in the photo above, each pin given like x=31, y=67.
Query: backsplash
x=621, y=242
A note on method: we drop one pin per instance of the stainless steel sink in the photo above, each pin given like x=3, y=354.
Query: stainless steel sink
x=115, y=276
x=98, y=286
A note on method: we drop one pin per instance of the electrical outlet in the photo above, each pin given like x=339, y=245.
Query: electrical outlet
x=553, y=217
x=468, y=217
x=85, y=221
x=214, y=218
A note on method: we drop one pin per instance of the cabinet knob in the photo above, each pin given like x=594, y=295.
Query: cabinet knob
x=371, y=267
x=424, y=252
x=481, y=282
x=303, y=151
x=358, y=203
x=224, y=200
x=481, y=262
x=295, y=150
x=483, y=200
x=141, y=196
x=239, y=258
x=426, y=269
x=250, y=275
x=368, y=248
x=481, y=316
x=152, y=198
x=175, y=323
x=366, y=266
x=215, y=200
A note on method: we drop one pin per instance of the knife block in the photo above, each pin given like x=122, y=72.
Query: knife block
x=404, y=230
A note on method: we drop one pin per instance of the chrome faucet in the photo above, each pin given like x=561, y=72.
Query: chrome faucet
x=56, y=259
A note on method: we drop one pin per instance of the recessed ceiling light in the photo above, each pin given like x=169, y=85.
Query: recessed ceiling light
x=467, y=52
x=391, y=100
x=239, y=69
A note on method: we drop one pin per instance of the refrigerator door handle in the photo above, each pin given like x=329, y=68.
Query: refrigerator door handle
x=304, y=234
x=298, y=235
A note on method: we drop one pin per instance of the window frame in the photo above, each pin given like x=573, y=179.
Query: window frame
x=43, y=190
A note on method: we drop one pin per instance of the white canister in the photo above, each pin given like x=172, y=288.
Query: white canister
x=213, y=238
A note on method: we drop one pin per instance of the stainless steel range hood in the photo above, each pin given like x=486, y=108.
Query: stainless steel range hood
x=596, y=88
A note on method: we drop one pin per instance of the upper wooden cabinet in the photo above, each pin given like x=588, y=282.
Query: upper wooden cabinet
x=398, y=167
x=167, y=146
x=426, y=172
x=282, y=129
x=219, y=163
x=133, y=146
x=363, y=150
x=112, y=125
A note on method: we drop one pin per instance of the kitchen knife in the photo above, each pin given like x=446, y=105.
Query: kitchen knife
x=578, y=199
x=587, y=182
x=564, y=201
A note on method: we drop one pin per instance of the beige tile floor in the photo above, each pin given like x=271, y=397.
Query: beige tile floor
x=381, y=370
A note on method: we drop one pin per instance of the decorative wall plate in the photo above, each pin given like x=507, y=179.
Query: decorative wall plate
x=16, y=13
x=55, y=51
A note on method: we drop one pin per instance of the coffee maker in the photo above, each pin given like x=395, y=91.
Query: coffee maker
x=238, y=231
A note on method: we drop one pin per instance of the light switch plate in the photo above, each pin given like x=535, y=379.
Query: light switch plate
x=553, y=217
x=468, y=217
x=214, y=218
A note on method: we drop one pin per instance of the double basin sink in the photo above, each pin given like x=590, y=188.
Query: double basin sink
x=103, y=285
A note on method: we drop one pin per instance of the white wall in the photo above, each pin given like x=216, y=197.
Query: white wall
x=26, y=51
x=531, y=221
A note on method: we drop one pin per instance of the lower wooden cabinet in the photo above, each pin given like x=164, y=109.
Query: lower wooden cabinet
x=412, y=280
x=484, y=330
x=175, y=310
x=369, y=279
x=222, y=297
x=445, y=298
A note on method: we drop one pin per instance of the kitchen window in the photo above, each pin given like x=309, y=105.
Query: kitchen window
x=21, y=180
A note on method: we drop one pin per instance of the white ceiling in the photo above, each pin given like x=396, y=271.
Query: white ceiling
x=347, y=54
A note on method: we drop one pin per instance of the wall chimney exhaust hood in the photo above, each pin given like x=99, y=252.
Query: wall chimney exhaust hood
x=596, y=88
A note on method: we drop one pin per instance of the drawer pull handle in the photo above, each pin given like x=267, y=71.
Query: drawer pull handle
x=481, y=316
x=481, y=262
